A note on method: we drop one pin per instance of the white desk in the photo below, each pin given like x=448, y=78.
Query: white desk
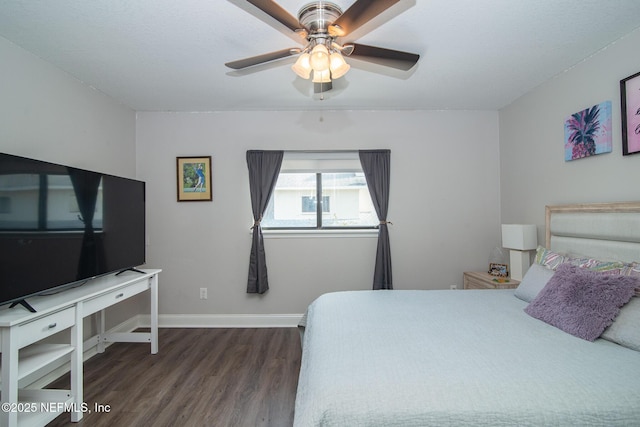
x=23, y=354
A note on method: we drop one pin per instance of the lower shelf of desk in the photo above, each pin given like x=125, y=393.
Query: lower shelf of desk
x=41, y=406
x=39, y=356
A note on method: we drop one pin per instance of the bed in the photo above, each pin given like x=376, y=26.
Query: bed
x=475, y=357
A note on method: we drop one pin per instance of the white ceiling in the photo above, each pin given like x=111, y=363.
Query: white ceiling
x=169, y=55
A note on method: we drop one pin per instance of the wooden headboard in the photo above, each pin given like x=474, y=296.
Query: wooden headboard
x=608, y=231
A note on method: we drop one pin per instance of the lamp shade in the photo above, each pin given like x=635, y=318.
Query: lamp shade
x=338, y=65
x=302, y=67
x=321, y=76
x=522, y=237
x=319, y=59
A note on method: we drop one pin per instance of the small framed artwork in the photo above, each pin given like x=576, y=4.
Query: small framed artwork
x=498, y=270
x=630, y=100
x=588, y=132
x=194, y=179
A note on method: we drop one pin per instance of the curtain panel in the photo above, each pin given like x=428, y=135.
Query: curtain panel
x=376, y=167
x=264, y=168
x=86, y=186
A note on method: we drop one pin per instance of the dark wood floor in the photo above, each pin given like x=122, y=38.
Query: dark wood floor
x=200, y=377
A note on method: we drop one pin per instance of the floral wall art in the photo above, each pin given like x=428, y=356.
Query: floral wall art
x=588, y=132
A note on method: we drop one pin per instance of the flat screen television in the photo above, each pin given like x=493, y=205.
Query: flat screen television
x=60, y=226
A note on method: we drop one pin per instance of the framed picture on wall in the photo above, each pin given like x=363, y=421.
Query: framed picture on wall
x=194, y=179
x=630, y=99
x=588, y=132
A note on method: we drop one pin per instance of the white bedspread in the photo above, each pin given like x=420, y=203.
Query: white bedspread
x=456, y=358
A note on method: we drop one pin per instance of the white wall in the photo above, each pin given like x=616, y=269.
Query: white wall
x=444, y=195
x=533, y=170
x=444, y=205
x=48, y=115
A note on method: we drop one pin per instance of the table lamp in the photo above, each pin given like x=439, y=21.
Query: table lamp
x=519, y=239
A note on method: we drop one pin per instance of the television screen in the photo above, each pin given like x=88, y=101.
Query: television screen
x=60, y=225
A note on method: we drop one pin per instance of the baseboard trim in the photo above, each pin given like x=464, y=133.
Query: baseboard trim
x=224, y=320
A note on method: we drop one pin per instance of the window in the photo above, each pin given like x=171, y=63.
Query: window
x=320, y=190
x=310, y=204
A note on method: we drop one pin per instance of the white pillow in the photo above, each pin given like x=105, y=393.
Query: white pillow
x=533, y=281
x=625, y=329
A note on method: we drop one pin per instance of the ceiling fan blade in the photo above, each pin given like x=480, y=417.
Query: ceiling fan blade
x=255, y=60
x=361, y=12
x=277, y=12
x=387, y=57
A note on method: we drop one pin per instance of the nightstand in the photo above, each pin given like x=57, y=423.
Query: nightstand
x=482, y=280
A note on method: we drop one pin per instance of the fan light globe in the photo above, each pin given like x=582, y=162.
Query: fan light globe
x=338, y=65
x=302, y=67
x=319, y=59
x=322, y=76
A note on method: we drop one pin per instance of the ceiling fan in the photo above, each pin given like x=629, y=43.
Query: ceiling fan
x=320, y=24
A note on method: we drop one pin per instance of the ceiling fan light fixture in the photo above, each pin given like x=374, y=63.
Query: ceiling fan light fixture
x=302, y=66
x=338, y=65
x=321, y=24
x=323, y=76
x=319, y=59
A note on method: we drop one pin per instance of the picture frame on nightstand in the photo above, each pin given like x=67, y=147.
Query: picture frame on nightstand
x=498, y=270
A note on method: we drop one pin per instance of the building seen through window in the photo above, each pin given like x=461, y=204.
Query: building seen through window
x=344, y=201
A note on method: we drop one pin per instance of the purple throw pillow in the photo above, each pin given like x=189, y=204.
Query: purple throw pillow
x=582, y=302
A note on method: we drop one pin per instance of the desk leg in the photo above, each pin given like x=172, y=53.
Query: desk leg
x=154, y=314
x=101, y=331
x=76, y=364
x=9, y=378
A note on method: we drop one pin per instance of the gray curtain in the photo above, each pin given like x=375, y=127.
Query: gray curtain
x=264, y=168
x=86, y=186
x=376, y=165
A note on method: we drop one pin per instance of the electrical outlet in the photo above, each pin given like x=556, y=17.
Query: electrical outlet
x=453, y=287
x=203, y=293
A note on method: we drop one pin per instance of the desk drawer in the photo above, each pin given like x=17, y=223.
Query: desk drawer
x=45, y=326
x=103, y=301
